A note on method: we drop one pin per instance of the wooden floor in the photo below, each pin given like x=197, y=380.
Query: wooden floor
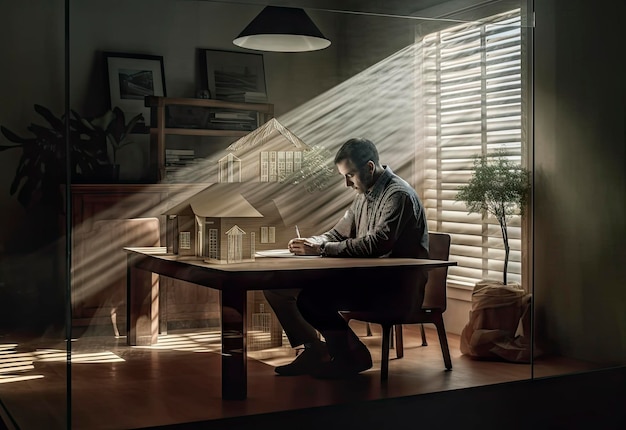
x=114, y=386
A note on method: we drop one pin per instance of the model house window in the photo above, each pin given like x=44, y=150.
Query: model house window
x=277, y=164
x=184, y=240
x=213, y=244
x=235, y=246
x=230, y=169
x=471, y=85
x=268, y=234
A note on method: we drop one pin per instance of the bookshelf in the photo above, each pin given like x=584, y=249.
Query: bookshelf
x=198, y=117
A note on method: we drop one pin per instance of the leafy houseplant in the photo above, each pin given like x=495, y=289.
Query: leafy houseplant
x=42, y=166
x=500, y=188
x=113, y=128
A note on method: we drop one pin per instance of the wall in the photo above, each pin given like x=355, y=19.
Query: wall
x=176, y=30
x=580, y=180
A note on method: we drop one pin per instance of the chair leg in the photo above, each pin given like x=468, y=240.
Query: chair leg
x=443, y=341
x=424, y=343
x=384, y=362
x=399, y=341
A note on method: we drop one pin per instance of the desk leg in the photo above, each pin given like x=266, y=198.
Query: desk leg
x=142, y=305
x=234, y=355
x=162, y=312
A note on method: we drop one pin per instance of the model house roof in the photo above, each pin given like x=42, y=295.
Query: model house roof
x=235, y=230
x=216, y=201
x=270, y=132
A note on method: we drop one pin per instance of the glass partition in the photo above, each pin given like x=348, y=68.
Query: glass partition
x=368, y=82
x=34, y=370
x=162, y=106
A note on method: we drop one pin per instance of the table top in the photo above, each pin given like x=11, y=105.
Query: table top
x=264, y=264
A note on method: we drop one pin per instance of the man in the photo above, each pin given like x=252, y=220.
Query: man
x=386, y=219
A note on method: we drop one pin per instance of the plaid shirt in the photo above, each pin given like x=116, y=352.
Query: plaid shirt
x=387, y=221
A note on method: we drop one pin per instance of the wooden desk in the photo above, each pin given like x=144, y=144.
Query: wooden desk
x=234, y=281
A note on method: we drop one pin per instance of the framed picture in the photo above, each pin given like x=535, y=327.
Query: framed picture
x=131, y=77
x=234, y=76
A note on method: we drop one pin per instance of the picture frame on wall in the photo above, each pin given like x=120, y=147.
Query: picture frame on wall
x=130, y=78
x=234, y=76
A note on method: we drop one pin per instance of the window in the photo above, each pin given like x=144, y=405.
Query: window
x=277, y=164
x=213, y=244
x=230, y=169
x=472, y=89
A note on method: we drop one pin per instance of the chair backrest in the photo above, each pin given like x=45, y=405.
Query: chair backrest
x=435, y=290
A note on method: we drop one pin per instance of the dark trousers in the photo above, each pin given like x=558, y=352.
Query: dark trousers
x=321, y=305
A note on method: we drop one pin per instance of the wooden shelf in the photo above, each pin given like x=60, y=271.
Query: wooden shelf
x=159, y=131
x=179, y=131
x=153, y=101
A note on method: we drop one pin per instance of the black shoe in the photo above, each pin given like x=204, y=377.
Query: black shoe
x=307, y=362
x=345, y=365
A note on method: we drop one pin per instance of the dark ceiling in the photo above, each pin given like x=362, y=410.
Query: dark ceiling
x=421, y=8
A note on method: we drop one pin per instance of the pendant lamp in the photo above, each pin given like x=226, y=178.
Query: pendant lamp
x=282, y=29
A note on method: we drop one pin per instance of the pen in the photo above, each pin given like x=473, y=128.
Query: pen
x=298, y=232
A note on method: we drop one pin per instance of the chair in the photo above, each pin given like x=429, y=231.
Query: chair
x=432, y=310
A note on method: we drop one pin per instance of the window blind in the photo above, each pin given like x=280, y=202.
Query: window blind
x=471, y=90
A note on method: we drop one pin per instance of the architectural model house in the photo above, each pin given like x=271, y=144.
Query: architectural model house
x=217, y=224
x=227, y=223
x=264, y=155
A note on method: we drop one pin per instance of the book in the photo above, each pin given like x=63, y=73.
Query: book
x=179, y=152
x=246, y=97
x=244, y=116
x=237, y=126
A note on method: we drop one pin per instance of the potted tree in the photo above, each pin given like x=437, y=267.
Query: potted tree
x=499, y=321
x=500, y=188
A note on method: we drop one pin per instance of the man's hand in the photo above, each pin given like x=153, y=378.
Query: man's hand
x=303, y=247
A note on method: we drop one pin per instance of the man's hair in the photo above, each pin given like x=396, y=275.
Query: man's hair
x=359, y=151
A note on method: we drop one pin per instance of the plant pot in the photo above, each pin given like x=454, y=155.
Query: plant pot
x=499, y=322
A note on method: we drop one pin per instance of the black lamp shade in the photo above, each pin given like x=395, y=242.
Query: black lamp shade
x=282, y=29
